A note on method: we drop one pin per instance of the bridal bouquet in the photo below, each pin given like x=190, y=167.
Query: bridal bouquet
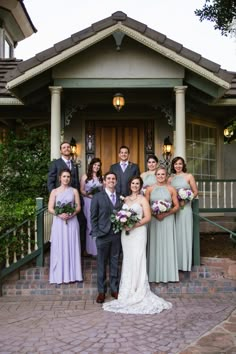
x=123, y=218
x=160, y=206
x=184, y=195
x=68, y=208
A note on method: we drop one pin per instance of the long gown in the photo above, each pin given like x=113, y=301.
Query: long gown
x=184, y=228
x=91, y=247
x=148, y=180
x=162, y=252
x=135, y=296
x=65, y=258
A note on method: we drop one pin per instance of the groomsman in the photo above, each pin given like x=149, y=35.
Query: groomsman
x=124, y=171
x=56, y=166
x=108, y=243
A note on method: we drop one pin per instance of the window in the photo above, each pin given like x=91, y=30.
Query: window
x=7, y=49
x=201, y=151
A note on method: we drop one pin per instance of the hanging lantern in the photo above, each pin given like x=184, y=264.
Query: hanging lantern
x=118, y=101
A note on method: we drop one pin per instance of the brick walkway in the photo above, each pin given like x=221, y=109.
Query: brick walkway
x=39, y=325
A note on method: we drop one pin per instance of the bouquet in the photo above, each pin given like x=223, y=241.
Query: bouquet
x=94, y=189
x=160, y=206
x=144, y=188
x=123, y=218
x=68, y=208
x=184, y=195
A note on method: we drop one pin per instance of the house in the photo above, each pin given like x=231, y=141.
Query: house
x=169, y=91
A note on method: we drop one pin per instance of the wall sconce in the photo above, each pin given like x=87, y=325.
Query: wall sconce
x=228, y=133
x=74, y=152
x=166, y=153
x=118, y=101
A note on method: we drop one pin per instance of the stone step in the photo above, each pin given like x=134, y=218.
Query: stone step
x=210, y=277
x=84, y=290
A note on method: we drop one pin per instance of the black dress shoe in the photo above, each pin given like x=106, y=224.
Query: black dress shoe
x=100, y=298
x=114, y=294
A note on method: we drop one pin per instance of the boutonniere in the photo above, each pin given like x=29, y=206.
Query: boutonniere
x=130, y=164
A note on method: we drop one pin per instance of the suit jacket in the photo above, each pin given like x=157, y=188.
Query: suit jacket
x=123, y=177
x=101, y=210
x=53, y=174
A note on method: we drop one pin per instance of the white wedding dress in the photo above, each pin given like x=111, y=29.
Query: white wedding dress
x=135, y=296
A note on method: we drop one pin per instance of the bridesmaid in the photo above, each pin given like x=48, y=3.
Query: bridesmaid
x=184, y=217
x=90, y=184
x=162, y=253
x=149, y=177
x=65, y=260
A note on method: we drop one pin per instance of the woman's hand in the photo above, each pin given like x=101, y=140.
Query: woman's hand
x=161, y=216
x=64, y=216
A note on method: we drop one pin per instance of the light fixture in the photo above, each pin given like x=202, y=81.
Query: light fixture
x=75, y=152
x=118, y=101
x=73, y=145
x=228, y=133
x=166, y=153
x=167, y=147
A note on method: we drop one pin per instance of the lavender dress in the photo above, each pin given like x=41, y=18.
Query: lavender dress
x=90, y=241
x=65, y=258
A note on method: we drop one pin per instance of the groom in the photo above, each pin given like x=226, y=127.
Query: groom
x=124, y=171
x=108, y=243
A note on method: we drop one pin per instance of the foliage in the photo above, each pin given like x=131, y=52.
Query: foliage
x=24, y=159
x=222, y=12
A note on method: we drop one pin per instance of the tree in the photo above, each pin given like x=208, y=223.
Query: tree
x=222, y=12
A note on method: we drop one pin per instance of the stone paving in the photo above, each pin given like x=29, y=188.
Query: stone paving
x=49, y=325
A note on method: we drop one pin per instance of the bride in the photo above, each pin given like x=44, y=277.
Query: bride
x=135, y=296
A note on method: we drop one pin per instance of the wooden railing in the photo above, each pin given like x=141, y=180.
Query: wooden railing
x=25, y=242
x=217, y=194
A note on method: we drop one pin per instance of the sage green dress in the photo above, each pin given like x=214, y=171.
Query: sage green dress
x=162, y=253
x=184, y=228
x=149, y=180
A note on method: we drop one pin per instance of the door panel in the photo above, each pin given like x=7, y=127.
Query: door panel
x=110, y=135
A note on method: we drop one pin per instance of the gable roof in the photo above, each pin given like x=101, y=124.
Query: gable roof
x=101, y=29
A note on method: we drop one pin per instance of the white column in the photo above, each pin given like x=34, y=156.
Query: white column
x=55, y=121
x=180, y=124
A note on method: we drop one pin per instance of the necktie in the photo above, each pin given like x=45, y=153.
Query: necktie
x=123, y=166
x=113, y=198
x=68, y=164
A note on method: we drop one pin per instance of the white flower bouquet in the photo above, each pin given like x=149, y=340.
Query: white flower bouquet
x=184, y=196
x=160, y=206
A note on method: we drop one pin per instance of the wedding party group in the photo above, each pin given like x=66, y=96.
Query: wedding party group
x=142, y=220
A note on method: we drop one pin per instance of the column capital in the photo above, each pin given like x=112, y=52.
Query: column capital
x=55, y=89
x=180, y=89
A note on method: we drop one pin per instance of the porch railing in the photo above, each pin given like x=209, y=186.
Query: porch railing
x=25, y=242
x=215, y=196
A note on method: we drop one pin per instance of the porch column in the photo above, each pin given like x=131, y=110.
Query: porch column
x=55, y=121
x=180, y=124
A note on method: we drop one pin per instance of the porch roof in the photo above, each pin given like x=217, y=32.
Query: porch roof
x=46, y=59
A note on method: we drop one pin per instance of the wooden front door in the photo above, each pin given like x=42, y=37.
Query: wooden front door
x=110, y=135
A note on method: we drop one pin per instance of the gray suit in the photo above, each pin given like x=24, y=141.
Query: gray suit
x=123, y=177
x=108, y=243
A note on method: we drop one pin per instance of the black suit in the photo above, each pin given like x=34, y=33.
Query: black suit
x=53, y=182
x=123, y=178
x=108, y=243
